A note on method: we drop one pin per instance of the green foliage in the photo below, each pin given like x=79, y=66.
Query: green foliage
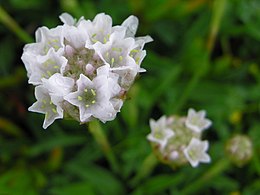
x=205, y=55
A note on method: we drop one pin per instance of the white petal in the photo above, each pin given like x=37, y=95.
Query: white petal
x=53, y=116
x=196, y=121
x=131, y=24
x=160, y=132
x=195, y=152
x=59, y=85
x=76, y=37
x=44, y=105
x=67, y=19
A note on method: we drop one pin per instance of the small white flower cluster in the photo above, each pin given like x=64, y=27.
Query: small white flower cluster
x=82, y=69
x=177, y=140
x=239, y=149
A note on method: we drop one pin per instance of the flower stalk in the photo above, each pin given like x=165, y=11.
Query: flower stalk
x=97, y=132
x=146, y=168
x=215, y=170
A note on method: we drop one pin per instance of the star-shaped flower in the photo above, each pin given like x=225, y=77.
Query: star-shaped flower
x=116, y=51
x=100, y=29
x=43, y=66
x=195, y=152
x=46, y=39
x=160, y=132
x=45, y=105
x=196, y=121
x=93, y=97
x=58, y=87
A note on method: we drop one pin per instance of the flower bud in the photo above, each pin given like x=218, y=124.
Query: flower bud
x=239, y=149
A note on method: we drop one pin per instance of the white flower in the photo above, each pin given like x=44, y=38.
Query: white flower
x=84, y=68
x=100, y=29
x=58, y=87
x=116, y=51
x=43, y=66
x=137, y=53
x=195, y=152
x=160, y=133
x=196, y=121
x=76, y=36
x=93, y=97
x=69, y=20
x=45, y=106
x=131, y=24
x=46, y=39
x=127, y=77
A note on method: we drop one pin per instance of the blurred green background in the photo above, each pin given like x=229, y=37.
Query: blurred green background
x=205, y=55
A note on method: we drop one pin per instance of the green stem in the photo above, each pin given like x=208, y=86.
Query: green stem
x=217, y=169
x=6, y=19
x=146, y=168
x=97, y=132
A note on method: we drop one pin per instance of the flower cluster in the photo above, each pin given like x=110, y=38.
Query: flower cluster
x=177, y=140
x=239, y=149
x=82, y=69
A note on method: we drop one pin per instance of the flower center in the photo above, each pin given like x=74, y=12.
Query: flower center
x=89, y=97
x=77, y=61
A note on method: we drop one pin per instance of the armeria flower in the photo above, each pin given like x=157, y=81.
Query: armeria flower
x=45, y=40
x=160, y=132
x=43, y=66
x=93, y=97
x=239, y=149
x=45, y=105
x=58, y=87
x=195, y=152
x=49, y=97
x=174, y=143
x=197, y=121
x=84, y=67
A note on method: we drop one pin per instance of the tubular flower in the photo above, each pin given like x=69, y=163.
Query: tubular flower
x=82, y=68
x=176, y=143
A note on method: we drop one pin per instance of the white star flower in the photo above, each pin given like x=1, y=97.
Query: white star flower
x=43, y=66
x=100, y=28
x=45, y=106
x=93, y=97
x=160, y=132
x=195, y=152
x=137, y=53
x=196, y=121
x=58, y=87
x=46, y=39
x=116, y=51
